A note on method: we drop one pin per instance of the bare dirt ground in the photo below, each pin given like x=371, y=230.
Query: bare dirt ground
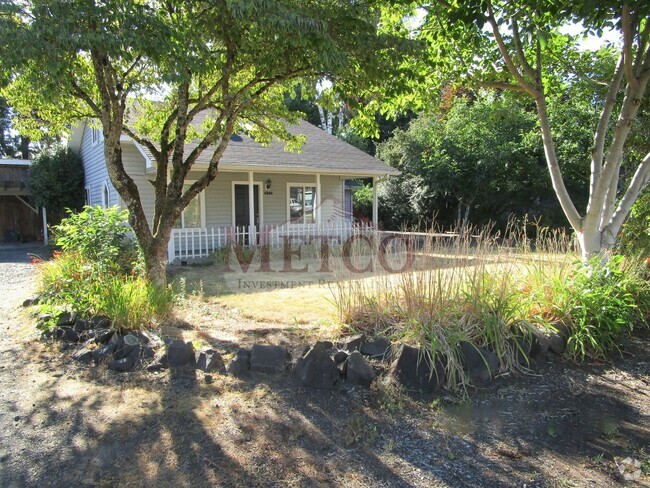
x=62, y=424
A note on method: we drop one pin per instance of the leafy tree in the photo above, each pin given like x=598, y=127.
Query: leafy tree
x=476, y=160
x=519, y=46
x=230, y=59
x=12, y=145
x=56, y=181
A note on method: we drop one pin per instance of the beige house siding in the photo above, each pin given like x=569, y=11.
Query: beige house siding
x=219, y=197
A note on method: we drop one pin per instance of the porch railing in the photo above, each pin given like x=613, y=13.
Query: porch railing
x=197, y=243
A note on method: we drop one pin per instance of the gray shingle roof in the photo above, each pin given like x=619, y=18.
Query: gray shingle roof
x=322, y=152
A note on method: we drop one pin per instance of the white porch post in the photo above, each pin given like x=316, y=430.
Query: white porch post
x=318, y=201
x=251, y=209
x=45, y=236
x=375, y=210
x=171, y=250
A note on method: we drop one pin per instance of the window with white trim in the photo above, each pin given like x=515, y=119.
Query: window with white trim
x=106, y=195
x=301, y=204
x=95, y=134
x=88, y=195
x=192, y=214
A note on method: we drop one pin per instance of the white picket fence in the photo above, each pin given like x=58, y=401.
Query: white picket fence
x=197, y=243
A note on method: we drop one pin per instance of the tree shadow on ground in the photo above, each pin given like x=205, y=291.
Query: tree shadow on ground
x=179, y=429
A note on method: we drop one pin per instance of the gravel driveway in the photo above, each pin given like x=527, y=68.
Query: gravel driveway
x=16, y=272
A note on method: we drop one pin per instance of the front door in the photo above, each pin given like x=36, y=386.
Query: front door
x=241, y=205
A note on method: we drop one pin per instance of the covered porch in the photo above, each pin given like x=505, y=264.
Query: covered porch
x=266, y=207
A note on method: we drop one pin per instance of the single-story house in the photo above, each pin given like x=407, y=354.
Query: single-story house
x=20, y=220
x=260, y=191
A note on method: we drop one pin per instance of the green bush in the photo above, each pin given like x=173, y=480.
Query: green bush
x=70, y=282
x=635, y=235
x=57, y=182
x=603, y=302
x=99, y=235
x=96, y=273
x=362, y=201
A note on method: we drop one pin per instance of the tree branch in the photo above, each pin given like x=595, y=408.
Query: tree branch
x=141, y=140
x=506, y=55
x=638, y=182
x=128, y=71
x=501, y=85
x=554, y=167
x=601, y=129
x=81, y=94
x=628, y=29
x=519, y=51
x=627, y=114
x=610, y=200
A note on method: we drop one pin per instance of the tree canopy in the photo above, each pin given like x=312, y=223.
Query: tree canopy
x=522, y=46
x=478, y=160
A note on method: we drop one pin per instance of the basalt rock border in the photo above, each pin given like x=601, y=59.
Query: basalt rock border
x=352, y=361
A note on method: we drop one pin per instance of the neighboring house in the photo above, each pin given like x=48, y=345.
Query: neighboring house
x=20, y=220
x=261, y=192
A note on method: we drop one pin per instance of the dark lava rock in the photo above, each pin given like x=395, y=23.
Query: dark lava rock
x=100, y=336
x=240, y=364
x=316, y=370
x=104, y=352
x=122, y=365
x=558, y=339
x=83, y=355
x=124, y=345
x=413, y=368
x=67, y=333
x=66, y=318
x=81, y=325
x=101, y=322
x=209, y=360
x=358, y=370
x=269, y=359
x=180, y=353
x=31, y=301
x=339, y=357
x=324, y=345
x=352, y=343
x=377, y=347
x=159, y=362
x=126, y=363
x=480, y=364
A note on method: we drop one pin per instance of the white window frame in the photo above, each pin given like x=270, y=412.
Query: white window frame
x=201, y=197
x=89, y=195
x=94, y=135
x=106, y=194
x=260, y=196
x=287, y=201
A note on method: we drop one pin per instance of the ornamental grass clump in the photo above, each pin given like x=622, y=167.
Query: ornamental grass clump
x=496, y=291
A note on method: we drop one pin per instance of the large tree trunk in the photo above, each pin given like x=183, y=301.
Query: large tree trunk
x=155, y=261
